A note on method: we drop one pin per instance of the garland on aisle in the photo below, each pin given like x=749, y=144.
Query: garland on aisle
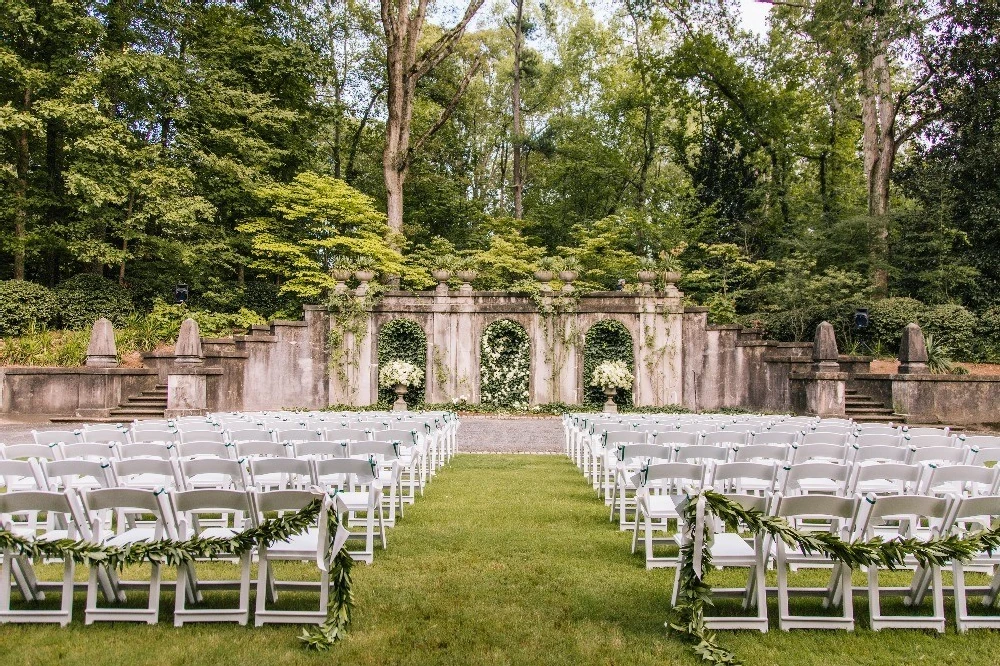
x=694, y=593
x=171, y=552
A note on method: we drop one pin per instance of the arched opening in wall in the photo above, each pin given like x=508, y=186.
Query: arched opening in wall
x=504, y=365
x=607, y=340
x=403, y=340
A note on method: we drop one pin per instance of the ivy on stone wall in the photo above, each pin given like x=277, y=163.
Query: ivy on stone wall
x=505, y=364
x=607, y=340
x=403, y=340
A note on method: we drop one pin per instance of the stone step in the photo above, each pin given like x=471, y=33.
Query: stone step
x=153, y=401
x=875, y=418
x=137, y=411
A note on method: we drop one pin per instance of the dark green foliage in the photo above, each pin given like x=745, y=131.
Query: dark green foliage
x=954, y=327
x=505, y=365
x=24, y=306
x=85, y=298
x=988, y=334
x=607, y=340
x=889, y=317
x=404, y=340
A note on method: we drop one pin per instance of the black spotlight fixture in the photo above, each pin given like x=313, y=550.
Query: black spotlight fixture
x=180, y=293
x=861, y=319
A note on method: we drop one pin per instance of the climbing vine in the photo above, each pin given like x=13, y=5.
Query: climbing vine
x=403, y=340
x=348, y=330
x=558, y=335
x=505, y=364
x=607, y=340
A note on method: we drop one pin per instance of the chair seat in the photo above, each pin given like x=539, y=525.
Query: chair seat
x=300, y=546
x=218, y=533
x=355, y=501
x=132, y=536
x=661, y=506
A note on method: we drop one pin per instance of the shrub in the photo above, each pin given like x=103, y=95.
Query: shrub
x=889, y=317
x=607, y=340
x=954, y=327
x=85, y=298
x=45, y=348
x=25, y=306
x=403, y=340
x=988, y=334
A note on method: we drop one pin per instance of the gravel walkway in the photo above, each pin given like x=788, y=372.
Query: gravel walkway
x=487, y=434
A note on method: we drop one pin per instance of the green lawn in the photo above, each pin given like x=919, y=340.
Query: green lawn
x=506, y=560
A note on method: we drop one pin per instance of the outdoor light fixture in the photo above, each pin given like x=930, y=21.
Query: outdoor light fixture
x=180, y=293
x=861, y=319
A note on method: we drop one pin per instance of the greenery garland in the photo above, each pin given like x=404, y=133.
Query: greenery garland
x=170, y=552
x=694, y=593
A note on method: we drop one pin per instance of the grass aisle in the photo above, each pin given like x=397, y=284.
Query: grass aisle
x=506, y=560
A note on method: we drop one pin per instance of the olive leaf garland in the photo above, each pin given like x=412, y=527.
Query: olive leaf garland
x=170, y=552
x=688, y=616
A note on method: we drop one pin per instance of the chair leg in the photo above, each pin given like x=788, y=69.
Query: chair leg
x=180, y=595
x=69, y=567
x=264, y=591
x=874, y=601
x=961, y=605
x=245, y=588
x=782, y=590
x=154, y=595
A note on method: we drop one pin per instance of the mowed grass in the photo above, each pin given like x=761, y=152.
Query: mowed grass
x=505, y=560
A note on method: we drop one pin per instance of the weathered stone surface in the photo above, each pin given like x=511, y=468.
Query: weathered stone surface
x=187, y=395
x=912, y=351
x=102, y=352
x=825, y=343
x=188, y=346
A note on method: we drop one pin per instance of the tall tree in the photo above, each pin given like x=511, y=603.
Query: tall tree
x=404, y=26
x=517, y=144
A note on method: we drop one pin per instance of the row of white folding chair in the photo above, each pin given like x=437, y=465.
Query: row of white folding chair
x=855, y=518
x=175, y=516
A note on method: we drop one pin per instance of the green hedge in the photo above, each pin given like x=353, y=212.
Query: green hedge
x=404, y=340
x=25, y=306
x=607, y=340
x=85, y=298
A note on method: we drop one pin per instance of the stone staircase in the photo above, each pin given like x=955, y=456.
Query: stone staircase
x=865, y=409
x=147, y=405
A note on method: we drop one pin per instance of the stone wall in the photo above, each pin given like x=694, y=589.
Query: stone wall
x=70, y=391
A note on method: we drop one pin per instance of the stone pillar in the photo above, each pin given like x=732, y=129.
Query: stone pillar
x=825, y=353
x=187, y=393
x=102, y=352
x=187, y=349
x=912, y=351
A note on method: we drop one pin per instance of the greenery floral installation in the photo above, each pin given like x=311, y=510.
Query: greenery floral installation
x=694, y=593
x=505, y=365
x=171, y=552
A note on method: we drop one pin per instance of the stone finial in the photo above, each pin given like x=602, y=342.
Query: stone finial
x=102, y=352
x=188, y=346
x=912, y=351
x=825, y=352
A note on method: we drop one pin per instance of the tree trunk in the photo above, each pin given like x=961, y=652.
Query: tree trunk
x=21, y=195
x=879, y=145
x=516, y=131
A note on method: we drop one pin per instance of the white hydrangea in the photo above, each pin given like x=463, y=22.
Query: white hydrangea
x=612, y=374
x=399, y=372
x=505, y=365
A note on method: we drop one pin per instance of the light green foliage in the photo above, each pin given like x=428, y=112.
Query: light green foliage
x=313, y=220
x=507, y=258
x=723, y=279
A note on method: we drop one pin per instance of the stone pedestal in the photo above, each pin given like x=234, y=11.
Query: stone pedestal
x=187, y=391
x=912, y=351
x=102, y=352
x=822, y=394
x=187, y=349
x=825, y=353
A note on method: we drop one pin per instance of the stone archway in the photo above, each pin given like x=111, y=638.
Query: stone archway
x=404, y=340
x=607, y=340
x=505, y=365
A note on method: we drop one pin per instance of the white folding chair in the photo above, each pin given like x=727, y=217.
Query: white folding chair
x=187, y=507
x=972, y=514
x=814, y=477
x=386, y=456
x=628, y=460
x=18, y=569
x=126, y=502
x=359, y=490
x=657, y=489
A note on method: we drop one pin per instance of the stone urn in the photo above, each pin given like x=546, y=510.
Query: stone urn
x=400, y=404
x=671, y=277
x=364, y=276
x=466, y=276
x=568, y=276
x=646, y=279
x=610, y=407
x=341, y=275
x=544, y=276
x=441, y=274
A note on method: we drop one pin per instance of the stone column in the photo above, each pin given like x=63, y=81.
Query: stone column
x=102, y=352
x=823, y=391
x=912, y=351
x=187, y=393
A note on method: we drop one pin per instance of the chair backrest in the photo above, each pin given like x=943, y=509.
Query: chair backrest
x=207, y=500
x=984, y=508
x=971, y=479
x=981, y=441
x=293, y=470
x=323, y=449
x=905, y=477
x=146, y=450
x=904, y=507
x=37, y=500
x=220, y=472
x=103, y=435
x=67, y=473
x=25, y=451
x=927, y=441
x=774, y=438
x=700, y=453
x=738, y=471
x=404, y=437
x=89, y=451
x=841, y=512
x=920, y=432
x=838, y=473
x=725, y=438
x=676, y=438
x=877, y=429
x=153, y=434
x=878, y=439
x=204, y=450
x=983, y=456
x=362, y=471
x=634, y=452
x=126, y=470
x=201, y=435
x=760, y=452
x=672, y=471
x=249, y=435
x=286, y=435
x=825, y=437
x=257, y=449
x=881, y=453
x=346, y=434
x=613, y=439
x=829, y=452
x=46, y=437
x=380, y=450
x=23, y=471
x=796, y=429
x=284, y=500
x=123, y=498
x=940, y=455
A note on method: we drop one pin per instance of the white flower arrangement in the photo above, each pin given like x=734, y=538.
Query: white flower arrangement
x=612, y=374
x=506, y=364
x=399, y=372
